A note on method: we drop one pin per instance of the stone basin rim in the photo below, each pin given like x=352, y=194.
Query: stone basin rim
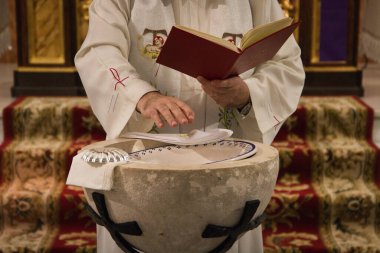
x=258, y=158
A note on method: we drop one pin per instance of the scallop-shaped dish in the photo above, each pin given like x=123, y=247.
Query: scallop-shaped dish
x=105, y=155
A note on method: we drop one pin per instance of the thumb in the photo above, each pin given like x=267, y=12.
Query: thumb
x=202, y=80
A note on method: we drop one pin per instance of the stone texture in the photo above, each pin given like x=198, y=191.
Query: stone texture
x=174, y=204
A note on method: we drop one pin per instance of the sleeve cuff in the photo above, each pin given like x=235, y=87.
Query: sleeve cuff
x=123, y=119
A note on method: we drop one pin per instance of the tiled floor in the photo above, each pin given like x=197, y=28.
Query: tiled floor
x=371, y=83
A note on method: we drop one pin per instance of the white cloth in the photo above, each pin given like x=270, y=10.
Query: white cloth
x=117, y=67
x=93, y=176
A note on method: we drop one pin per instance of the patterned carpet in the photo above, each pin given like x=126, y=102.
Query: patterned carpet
x=327, y=197
x=38, y=211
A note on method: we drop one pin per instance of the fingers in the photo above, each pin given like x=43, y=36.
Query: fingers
x=189, y=113
x=203, y=80
x=174, y=115
x=166, y=109
x=155, y=116
x=219, y=90
x=217, y=84
x=215, y=90
x=231, y=92
x=179, y=115
x=168, y=116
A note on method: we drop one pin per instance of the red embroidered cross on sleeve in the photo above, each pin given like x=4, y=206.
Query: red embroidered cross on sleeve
x=117, y=77
x=278, y=122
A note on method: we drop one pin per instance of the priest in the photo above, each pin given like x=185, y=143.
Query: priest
x=128, y=91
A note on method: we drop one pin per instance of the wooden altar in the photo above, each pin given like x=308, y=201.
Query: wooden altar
x=51, y=31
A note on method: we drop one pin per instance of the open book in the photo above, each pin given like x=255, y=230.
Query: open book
x=200, y=54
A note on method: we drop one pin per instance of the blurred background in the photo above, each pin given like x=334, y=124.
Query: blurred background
x=327, y=198
x=339, y=41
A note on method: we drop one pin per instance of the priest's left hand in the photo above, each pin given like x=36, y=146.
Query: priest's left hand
x=231, y=92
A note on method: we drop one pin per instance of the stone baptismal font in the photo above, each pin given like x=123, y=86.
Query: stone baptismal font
x=160, y=198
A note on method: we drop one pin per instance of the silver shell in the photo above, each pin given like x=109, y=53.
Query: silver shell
x=105, y=155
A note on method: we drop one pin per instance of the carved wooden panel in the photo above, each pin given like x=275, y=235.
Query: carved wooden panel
x=47, y=44
x=82, y=20
x=291, y=9
x=45, y=31
x=328, y=37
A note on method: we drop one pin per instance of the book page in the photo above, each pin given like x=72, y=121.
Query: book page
x=210, y=37
x=259, y=32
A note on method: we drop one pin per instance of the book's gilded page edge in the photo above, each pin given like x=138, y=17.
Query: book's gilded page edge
x=259, y=32
x=212, y=38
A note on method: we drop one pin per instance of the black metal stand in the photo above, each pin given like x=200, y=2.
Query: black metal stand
x=211, y=231
x=115, y=230
x=245, y=224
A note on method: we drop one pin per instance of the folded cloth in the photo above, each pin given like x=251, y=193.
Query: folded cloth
x=97, y=176
x=194, y=137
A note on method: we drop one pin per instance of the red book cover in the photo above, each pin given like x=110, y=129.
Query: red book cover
x=197, y=56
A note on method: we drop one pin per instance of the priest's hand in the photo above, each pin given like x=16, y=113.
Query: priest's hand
x=231, y=92
x=155, y=106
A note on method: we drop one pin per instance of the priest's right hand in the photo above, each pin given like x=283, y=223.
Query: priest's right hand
x=153, y=105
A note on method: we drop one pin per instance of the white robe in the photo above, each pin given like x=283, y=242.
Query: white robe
x=117, y=67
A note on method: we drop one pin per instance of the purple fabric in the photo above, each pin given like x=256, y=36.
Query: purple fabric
x=334, y=30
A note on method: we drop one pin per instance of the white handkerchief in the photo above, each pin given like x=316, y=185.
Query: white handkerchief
x=194, y=137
